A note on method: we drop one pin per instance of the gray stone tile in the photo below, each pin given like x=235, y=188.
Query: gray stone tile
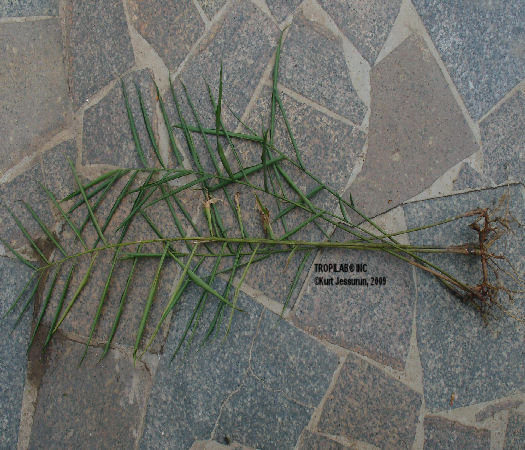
x=515, y=433
x=98, y=46
x=244, y=41
x=447, y=327
x=211, y=7
x=13, y=361
x=492, y=409
x=313, y=64
x=57, y=173
x=107, y=137
x=91, y=406
x=366, y=23
x=156, y=21
x=446, y=434
x=503, y=142
x=481, y=44
x=261, y=418
x=369, y=406
x=25, y=188
x=373, y=320
x=289, y=361
x=18, y=8
x=187, y=395
x=315, y=441
x=415, y=126
x=281, y=9
x=469, y=178
x=33, y=87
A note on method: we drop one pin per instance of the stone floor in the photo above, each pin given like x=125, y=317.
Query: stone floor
x=415, y=107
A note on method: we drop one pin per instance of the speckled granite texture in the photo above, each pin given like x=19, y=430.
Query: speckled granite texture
x=412, y=110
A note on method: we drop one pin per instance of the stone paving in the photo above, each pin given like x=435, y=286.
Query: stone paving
x=414, y=107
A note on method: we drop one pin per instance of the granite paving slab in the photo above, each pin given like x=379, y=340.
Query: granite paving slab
x=366, y=23
x=58, y=176
x=370, y=406
x=441, y=434
x=447, y=327
x=170, y=27
x=244, y=41
x=21, y=8
x=96, y=405
x=291, y=362
x=23, y=188
x=98, y=46
x=481, y=44
x=313, y=64
x=515, y=433
x=187, y=395
x=107, y=137
x=470, y=178
x=33, y=87
x=315, y=441
x=211, y=7
x=13, y=360
x=416, y=131
x=503, y=141
x=281, y=9
x=260, y=418
x=374, y=320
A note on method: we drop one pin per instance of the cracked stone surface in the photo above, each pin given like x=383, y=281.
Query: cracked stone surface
x=489, y=351
x=289, y=361
x=107, y=138
x=98, y=46
x=482, y=45
x=372, y=320
x=18, y=8
x=281, y=9
x=315, y=441
x=503, y=141
x=33, y=87
x=470, y=178
x=23, y=188
x=170, y=27
x=442, y=433
x=515, y=433
x=366, y=23
x=244, y=41
x=370, y=406
x=88, y=405
x=312, y=63
x=14, y=276
x=188, y=394
x=416, y=127
x=56, y=170
x=261, y=418
x=211, y=7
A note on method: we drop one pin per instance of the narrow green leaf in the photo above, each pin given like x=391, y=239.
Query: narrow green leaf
x=297, y=276
x=59, y=307
x=174, y=148
x=45, y=229
x=26, y=234
x=88, y=206
x=101, y=303
x=149, y=301
x=149, y=129
x=29, y=300
x=132, y=125
x=18, y=255
x=92, y=183
x=64, y=215
x=20, y=294
x=44, y=307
